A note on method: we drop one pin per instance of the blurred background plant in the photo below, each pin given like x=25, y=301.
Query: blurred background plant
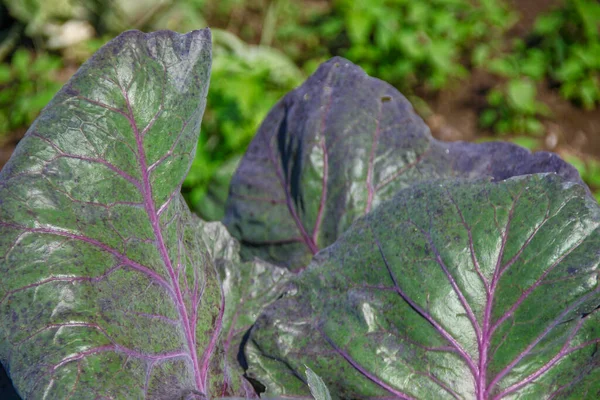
x=589, y=169
x=570, y=41
x=524, y=69
x=513, y=108
x=27, y=84
x=410, y=43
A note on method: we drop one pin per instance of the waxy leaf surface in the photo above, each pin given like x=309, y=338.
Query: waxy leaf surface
x=333, y=149
x=451, y=290
x=108, y=290
x=248, y=287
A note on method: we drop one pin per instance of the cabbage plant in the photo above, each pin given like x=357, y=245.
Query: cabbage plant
x=354, y=245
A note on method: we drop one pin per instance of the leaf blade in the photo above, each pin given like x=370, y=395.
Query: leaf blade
x=104, y=262
x=379, y=316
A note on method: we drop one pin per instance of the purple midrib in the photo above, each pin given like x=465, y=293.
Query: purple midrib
x=425, y=315
x=488, y=327
x=150, y=208
x=363, y=371
x=482, y=389
x=307, y=239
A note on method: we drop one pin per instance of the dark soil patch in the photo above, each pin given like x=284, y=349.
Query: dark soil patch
x=455, y=113
x=456, y=109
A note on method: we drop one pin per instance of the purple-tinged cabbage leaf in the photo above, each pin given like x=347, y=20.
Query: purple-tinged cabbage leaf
x=107, y=289
x=450, y=290
x=333, y=149
x=248, y=287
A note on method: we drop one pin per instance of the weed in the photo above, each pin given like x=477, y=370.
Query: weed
x=514, y=109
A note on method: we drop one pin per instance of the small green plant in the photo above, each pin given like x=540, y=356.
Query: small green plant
x=514, y=109
x=571, y=39
x=26, y=86
x=413, y=42
x=564, y=48
x=520, y=62
x=568, y=40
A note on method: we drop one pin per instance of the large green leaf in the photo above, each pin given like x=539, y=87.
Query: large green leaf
x=451, y=290
x=333, y=149
x=108, y=290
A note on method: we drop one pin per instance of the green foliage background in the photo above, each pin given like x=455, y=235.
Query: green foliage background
x=264, y=48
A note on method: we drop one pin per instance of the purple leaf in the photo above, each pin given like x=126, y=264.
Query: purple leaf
x=333, y=149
